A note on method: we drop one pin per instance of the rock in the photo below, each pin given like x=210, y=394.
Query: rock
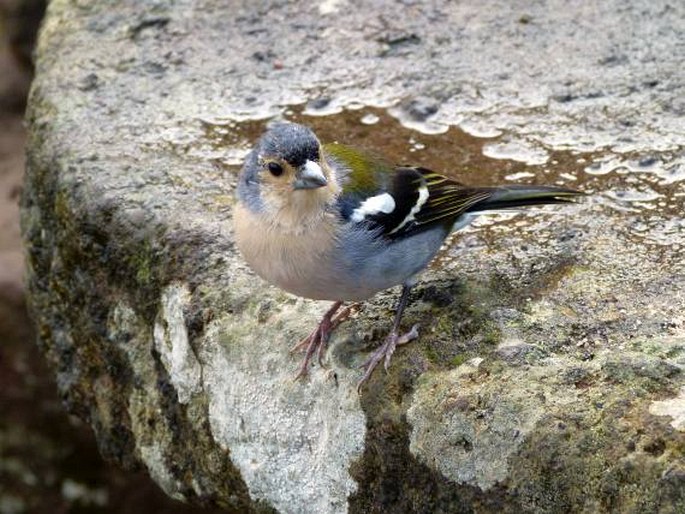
x=506, y=427
x=548, y=376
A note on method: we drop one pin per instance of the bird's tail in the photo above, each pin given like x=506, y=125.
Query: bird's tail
x=506, y=197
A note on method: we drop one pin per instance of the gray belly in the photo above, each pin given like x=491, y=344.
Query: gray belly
x=370, y=265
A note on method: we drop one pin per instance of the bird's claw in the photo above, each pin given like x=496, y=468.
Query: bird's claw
x=385, y=353
x=317, y=341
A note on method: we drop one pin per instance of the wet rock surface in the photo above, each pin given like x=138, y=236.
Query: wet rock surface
x=549, y=373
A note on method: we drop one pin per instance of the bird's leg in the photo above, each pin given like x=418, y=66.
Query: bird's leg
x=339, y=317
x=318, y=339
x=393, y=340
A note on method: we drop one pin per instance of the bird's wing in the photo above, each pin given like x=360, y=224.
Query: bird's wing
x=397, y=201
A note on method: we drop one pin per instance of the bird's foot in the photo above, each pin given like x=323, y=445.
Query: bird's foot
x=385, y=352
x=317, y=341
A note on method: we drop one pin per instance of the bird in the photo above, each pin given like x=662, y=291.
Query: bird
x=333, y=222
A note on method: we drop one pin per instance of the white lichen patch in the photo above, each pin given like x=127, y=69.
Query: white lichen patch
x=293, y=442
x=674, y=407
x=171, y=341
x=331, y=6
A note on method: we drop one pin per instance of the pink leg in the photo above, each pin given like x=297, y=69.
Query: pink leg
x=385, y=352
x=318, y=339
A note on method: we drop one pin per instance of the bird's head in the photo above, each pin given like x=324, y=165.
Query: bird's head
x=286, y=170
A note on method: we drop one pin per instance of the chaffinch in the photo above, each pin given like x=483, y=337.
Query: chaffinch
x=330, y=222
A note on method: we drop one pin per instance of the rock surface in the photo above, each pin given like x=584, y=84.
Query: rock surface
x=549, y=373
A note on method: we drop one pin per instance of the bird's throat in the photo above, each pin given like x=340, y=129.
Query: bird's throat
x=298, y=211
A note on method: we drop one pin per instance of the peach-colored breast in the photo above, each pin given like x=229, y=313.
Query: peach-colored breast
x=296, y=259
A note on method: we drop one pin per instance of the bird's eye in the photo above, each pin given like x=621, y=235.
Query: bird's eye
x=275, y=169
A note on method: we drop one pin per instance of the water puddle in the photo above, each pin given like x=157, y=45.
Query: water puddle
x=644, y=193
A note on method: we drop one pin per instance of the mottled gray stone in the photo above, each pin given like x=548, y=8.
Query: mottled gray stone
x=548, y=376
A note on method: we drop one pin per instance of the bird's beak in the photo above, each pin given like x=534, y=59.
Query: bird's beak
x=310, y=176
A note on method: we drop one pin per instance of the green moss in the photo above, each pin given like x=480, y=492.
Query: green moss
x=142, y=263
x=62, y=210
x=572, y=464
x=492, y=335
x=431, y=354
x=644, y=375
x=444, y=324
x=458, y=360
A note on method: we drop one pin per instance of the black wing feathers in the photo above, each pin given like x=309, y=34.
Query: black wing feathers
x=424, y=199
x=406, y=196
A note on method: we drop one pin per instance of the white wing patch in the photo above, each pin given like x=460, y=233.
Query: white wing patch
x=423, y=197
x=384, y=203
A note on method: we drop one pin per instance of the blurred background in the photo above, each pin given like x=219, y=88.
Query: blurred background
x=49, y=461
